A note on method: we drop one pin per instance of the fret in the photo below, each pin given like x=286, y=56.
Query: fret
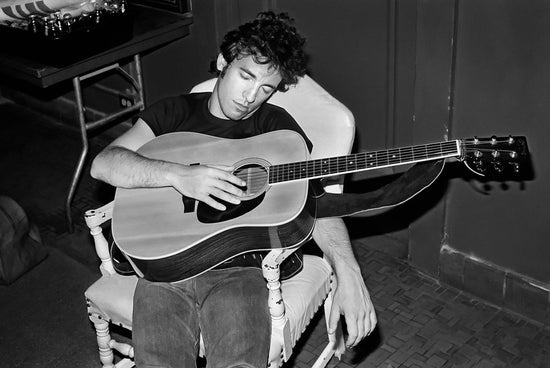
x=361, y=161
x=351, y=163
x=302, y=174
x=285, y=172
x=371, y=159
x=273, y=174
x=291, y=171
x=434, y=150
x=419, y=153
x=340, y=165
x=394, y=156
x=333, y=165
x=317, y=168
x=325, y=167
x=381, y=158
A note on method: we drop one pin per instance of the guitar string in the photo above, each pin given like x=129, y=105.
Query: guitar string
x=288, y=171
x=333, y=165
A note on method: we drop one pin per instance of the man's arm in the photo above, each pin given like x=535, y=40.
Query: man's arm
x=119, y=165
x=351, y=297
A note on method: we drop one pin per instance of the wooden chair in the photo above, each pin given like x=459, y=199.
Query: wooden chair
x=330, y=126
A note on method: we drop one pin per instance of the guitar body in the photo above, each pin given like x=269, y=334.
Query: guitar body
x=171, y=239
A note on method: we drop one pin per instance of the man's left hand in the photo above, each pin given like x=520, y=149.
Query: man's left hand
x=352, y=300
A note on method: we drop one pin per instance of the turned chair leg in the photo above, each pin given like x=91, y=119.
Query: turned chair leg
x=106, y=345
x=103, y=338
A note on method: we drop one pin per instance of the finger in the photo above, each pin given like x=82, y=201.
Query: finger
x=352, y=332
x=229, y=188
x=212, y=203
x=232, y=179
x=225, y=173
x=224, y=196
x=373, y=321
x=333, y=319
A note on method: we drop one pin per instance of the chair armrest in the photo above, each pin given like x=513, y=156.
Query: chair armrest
x=94, y=219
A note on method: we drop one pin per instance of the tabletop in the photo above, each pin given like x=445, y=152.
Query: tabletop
x=149, y=28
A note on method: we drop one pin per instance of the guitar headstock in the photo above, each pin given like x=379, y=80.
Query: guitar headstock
x=496, y=156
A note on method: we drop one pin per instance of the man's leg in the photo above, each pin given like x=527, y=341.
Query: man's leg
x=165, y=325
x=234, y=318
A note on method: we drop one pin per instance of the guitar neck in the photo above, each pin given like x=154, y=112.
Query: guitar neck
x=324, y=167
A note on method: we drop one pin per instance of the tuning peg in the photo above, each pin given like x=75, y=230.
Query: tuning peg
x=495, y=154
x=479, y=167
x=497, y=166
x=476, y=140
x=478, y=153
x=511, y=140
x=493, y=140
x=513, y=154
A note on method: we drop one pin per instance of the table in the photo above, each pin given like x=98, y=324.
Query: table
x=150, y=28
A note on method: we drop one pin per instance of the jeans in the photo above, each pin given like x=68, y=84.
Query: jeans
x=228, y=306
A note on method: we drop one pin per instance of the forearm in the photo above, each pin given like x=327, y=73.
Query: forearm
x=332, y=237
x=351, y=297
x=124, y=168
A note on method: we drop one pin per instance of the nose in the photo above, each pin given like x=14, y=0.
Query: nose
x=250, y=93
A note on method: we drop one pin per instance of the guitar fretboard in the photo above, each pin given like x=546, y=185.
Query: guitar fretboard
x=325, y=167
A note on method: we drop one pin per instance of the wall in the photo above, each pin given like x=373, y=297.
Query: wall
x=502, y=88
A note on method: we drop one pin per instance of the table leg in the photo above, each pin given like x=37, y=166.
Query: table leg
x=83, y=153
x=137, y=84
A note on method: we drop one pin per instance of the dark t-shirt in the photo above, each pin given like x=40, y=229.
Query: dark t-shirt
x=189, y=113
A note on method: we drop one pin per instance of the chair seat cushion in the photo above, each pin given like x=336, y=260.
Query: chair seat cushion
x=305, y=292
x=111, y=297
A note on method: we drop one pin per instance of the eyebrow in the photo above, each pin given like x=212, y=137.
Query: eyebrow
x=249, y=72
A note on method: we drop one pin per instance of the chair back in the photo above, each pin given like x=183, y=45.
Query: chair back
x=326, y=121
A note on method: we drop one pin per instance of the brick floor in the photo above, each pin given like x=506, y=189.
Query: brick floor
x=422, y=323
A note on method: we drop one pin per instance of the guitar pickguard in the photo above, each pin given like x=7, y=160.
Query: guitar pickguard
x=210, y=215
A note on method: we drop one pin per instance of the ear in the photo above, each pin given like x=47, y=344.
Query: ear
x=221, y=63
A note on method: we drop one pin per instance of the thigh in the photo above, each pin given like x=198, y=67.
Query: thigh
x=235, y=320
x=165, y=328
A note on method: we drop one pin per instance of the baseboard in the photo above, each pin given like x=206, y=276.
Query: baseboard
x=499, y=286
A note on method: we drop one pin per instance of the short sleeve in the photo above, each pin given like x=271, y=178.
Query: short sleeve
x=165, y=115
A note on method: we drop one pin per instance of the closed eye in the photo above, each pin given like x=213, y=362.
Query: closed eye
x=246, y=76
x=267, y=89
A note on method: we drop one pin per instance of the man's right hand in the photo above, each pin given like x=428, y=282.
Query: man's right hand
x=207, y=183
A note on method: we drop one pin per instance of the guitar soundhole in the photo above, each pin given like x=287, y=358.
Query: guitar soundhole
x=255, y=176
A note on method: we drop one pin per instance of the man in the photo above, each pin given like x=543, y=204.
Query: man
x=227, y=305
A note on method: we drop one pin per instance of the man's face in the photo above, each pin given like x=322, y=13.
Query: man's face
x=244, y=86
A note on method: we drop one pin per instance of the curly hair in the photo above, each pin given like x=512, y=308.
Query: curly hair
x=270, y=39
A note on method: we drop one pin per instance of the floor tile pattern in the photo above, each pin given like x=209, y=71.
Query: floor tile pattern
x=425, y=324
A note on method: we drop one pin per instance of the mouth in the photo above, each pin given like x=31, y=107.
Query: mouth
x=240, y=107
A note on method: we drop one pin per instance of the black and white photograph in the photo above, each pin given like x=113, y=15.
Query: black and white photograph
x=274, y=183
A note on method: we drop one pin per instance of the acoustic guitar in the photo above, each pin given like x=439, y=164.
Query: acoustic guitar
x=169, y=237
